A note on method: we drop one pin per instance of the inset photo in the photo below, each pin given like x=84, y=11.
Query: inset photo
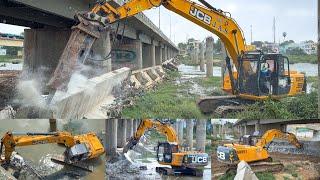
x=265, y=149
x=52, y=149
x=158, y=149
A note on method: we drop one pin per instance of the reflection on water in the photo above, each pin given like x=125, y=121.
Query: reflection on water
x=40, y=155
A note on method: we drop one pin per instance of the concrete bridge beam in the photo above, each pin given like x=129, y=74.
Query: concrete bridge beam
x=101, y=51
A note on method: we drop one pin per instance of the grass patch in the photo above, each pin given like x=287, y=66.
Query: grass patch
x=209, y=82
x=265, y=176
x=303, y=59
x=313, y=80
x=164, y=102
x=299, y=107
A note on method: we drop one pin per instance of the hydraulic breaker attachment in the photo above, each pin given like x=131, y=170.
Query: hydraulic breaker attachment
x=76, y=51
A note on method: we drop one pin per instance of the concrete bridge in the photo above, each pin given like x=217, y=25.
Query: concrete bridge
x=246, y=126
x=143, y=44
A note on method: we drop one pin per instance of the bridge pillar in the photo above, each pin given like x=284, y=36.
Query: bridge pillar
x=180, y=131
x=209, y=56
x=42, y=50
x=148, y=55
x=158, y=55
x=257, y=126
x=111, y=136
x=163, y=53
x=129, y=129
x=189, y=138
x=166, y=52
x=138, y=45
x=201, y=135
x=201, y=57
x=122, y=132
x=101, y=50
x=135, y=125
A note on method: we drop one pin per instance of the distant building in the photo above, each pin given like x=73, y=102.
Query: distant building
x=3, y=52
x=271, y=47
x=309, y=47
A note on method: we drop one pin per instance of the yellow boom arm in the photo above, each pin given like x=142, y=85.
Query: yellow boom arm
x=147, y=124
x=10, y=140
x=215, y=21
x=274, y=133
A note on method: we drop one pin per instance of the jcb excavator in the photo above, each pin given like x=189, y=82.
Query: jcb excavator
x=250, y=152
x=78, y=148
x=169, y=153
x=257, y=76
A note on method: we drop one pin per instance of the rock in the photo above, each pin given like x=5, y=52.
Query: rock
x=244, y=172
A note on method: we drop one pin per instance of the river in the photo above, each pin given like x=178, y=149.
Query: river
x=40, y=155
x=194, y=71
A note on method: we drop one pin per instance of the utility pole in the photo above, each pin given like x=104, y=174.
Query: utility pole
x=251, y=33
x=170, y=25
x=274, y=30
x=318, y=50
x=159, y=17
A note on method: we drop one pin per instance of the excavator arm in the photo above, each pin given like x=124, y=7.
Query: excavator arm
x=148, y=124
x=215, y=21
x=274, y=133
x=88, y=141
x=103, y=14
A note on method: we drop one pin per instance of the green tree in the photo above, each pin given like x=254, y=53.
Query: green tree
x=295, y=51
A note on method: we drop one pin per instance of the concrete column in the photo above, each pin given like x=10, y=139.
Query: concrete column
x=153, y=54
x=201, y=57
x=111, y=136
x=257, y=126
x=223, y=63
x=209, y=56
x=180, y=131
x=40, y=55
x=163, y=53
x=53, y=125
x=166, y=52
x=189, y=133
x=101, y=49
x=122, y=132
x=129, y=128
x=135, y=125
x=158, y=55
x=201, y=135
x=138, y=45
x=245, y=130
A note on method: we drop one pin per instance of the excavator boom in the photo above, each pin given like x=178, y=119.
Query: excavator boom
x=147, y=124
x=91, y=23
x=80, y=147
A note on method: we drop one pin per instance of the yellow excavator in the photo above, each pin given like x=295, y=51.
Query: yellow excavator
x=256, y=76
x=247, y=151
x=78, y=148
x=169, y=153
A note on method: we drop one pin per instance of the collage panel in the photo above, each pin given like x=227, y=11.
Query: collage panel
x=158, y=149
x=52, y=149
x=265, y=148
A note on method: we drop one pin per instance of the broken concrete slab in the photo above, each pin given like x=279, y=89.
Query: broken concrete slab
x=244, y=172
x=87, y=100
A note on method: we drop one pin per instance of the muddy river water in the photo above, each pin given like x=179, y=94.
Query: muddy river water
x=40, y=155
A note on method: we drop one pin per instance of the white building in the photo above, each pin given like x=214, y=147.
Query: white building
x=309, y=47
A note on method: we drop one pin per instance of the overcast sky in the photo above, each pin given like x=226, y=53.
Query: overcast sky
x=296, y=17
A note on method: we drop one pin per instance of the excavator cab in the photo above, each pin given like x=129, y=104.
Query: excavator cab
x=268, y=74
x=165, y=151
x=78, y=152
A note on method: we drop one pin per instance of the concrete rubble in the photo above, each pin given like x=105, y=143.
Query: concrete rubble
x=244, y=172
